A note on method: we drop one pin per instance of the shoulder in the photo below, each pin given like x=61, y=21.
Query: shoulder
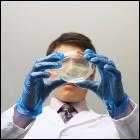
x=101, y=117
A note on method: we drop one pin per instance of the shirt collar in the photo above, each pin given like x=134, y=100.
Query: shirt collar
x=79, y=106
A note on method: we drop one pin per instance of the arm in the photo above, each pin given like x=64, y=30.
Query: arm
x=120, y=107
x=18, y=119
x=127, y=124
x=10, y=129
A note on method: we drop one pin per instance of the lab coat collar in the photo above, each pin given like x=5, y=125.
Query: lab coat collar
x=56, y=104
x=79, y=118
x=85, y=115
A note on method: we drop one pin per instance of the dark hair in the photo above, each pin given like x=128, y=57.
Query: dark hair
x=71, y=38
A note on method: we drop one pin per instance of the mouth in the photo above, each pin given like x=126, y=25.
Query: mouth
x=71, y=84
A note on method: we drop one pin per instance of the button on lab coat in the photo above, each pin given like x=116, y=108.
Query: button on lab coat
x=85, y=124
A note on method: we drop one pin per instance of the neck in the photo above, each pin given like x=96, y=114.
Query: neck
x=80, y=106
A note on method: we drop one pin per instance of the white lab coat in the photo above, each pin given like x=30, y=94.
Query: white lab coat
x=84, y=125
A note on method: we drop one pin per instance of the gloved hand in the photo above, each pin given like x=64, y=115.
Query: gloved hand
x=35, y=90
x=110, y=89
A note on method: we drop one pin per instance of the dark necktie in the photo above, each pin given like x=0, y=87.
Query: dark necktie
x=66, y=112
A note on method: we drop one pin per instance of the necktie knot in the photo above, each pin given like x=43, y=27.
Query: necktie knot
x=66, y=110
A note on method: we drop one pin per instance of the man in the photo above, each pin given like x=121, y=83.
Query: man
x=67, y=115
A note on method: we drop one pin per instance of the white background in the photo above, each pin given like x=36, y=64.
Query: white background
x=29, y=27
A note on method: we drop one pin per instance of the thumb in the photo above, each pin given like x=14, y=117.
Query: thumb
x=51, y=85
x=57, y=83
x=89, y=84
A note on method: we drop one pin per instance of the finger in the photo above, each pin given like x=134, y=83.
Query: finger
x=57, y=56
x=102, y=74
x=46, y=65
x=40, y=74
x=51, y=85
x=88, y=56
x=110, y=62
x=112, y=71
x=115, y=84
x=88, y=51
x=99, y=60
x=89, y=84
x=94, y=55
x=57, y=83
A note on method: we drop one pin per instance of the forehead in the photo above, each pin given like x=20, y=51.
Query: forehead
x=69, y=49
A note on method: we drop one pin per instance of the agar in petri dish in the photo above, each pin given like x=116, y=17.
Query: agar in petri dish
x=75, y=69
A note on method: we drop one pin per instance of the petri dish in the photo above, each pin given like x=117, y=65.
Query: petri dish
x=75, y=69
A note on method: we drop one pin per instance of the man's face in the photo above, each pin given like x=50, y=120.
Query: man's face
x=69, y=92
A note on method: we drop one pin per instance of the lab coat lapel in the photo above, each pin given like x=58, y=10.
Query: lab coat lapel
x=53, y=116
x=83, y=117
x=79, y=118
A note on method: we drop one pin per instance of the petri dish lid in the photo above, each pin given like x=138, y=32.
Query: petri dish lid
x=75, y=69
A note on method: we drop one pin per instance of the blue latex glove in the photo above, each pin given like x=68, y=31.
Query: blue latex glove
x=110, y=89
x=35, y=90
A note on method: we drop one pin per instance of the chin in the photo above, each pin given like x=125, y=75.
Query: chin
x=68, y=96
x=70, y=93
x=70, y=88
x=69, y=100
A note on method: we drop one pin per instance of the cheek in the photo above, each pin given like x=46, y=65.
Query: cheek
x=70, y=93
x=71, y=89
